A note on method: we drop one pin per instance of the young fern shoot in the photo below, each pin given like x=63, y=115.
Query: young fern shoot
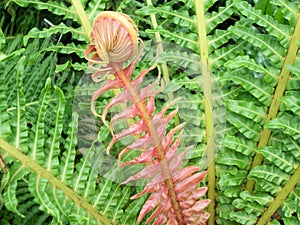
x=174, y=191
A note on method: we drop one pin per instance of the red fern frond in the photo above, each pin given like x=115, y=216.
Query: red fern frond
x=175, y=195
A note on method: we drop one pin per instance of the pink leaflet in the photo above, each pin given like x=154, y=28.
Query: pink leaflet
x=191, y=199
x=163, y=207
x=132, y=111
x=197, y=219
x=107, y=86
x=170, y=136
x=144, y=158
x=120, y=98
x=172, y=221
x=158, y=211
x=185, y=172
x=142, y=143
x=161, y=219
x=147, y=172
x=134, y=129
x=199, y=206
x=175, y=162
x=170, y=151
x=186, y=193
x=148, y=189
x=190, y=182
x=150, y=204
x=148, y=91
x=198, y=193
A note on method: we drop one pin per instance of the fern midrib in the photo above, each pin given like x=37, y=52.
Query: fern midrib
x=57, y=129
x=159, y=42
x=209, y=122
x=19, y=170
x=40, y=171
x=19, y=95
x=276, y=100
x=44, y=101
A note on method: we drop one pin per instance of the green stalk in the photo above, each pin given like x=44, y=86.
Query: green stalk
x=209, y=121
x=279, y=92
x=83, y=17
x=158, y=39
x=42, y=172
x=164, y=66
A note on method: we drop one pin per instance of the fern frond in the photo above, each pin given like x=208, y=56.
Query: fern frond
x=289, y=9
x=218, y=39
x=80, y=36
x=269, y=47
x=265, y=66
x=254, y=86
x=42, y=194
x=247, y=147
x=216, y=18
x=282, y=159
x=283, y=33
x=220, y=56
x=57, y=8
x=246, y=109
x=173, y=193
x=19, y=128
x=269, y=73
x=67, y=49
x=4, y=118
x=61, y=28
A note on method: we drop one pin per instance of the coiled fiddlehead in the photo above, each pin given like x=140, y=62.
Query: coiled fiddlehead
x=174, y=191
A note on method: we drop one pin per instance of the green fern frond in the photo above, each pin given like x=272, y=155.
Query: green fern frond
x=290, y=10
x=269, y=73
x=246, y=109
x=216, y=18
x=282, y=32
x=67, y=49
x=269, y=47
x=61, y=28
x=57, y=8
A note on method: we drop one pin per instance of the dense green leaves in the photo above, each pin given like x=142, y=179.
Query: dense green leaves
x=248, y=45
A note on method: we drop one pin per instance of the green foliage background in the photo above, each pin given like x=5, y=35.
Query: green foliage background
x=251, y=51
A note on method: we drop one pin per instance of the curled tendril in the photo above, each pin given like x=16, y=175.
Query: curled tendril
x=114, y=41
